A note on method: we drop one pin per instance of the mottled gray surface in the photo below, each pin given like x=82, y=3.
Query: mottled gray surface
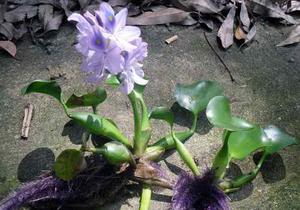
x=268, y=92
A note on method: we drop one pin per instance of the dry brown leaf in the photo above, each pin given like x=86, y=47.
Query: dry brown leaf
x=54, y=22
x=65, y=6
x=114, y=3
x=293, y=7
x=45, y=13
x=206, y=6
x=19, y=32
x=294, y=37
x=244, y=17
x=267, y=8
x=2, y=11
x=188, y=21
x=55, y=3
x=9, y=47
x=250, y=35
x=209, y=23
x=21, y=13
x=51, y=21
x=239, y=33
x=168, y=15
x=225, y=32
x=7, y=30
x=84, y=3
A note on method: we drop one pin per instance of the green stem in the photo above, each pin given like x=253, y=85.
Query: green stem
x=142, y=128
x=145, y=198
x=65, y=108
x=232, y=185
x=222, y=158
x=137, y=118
x=168, y=143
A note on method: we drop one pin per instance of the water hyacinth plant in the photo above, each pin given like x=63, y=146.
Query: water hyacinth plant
x=113, y=53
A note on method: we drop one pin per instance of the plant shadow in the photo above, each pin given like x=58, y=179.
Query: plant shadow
x=35, y=163
x=244, y=192
x=73, y=131
x=273, y=168
x=183, y=118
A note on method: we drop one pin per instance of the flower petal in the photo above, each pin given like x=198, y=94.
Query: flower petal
x=129, y=33
x=121, y=19
x=113, y=61
x=107, y=16
x=139, y=80
x=82, y=25
x=127, y=84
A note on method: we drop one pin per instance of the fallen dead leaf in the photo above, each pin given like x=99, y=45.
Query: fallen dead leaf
x=84, y=3
x=7, y=30
x=239, y=33
x=225, y=32
x=250, y=35
x=293, y=6
x=121, y=3
x=206, y=6
x=294, y=37
x=267, y=8
x=21, y=13
x=244, y=17
x=9, y=47
x=54, y=23
x=168, y=15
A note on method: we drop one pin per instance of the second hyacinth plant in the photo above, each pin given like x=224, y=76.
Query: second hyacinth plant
x=113, y=53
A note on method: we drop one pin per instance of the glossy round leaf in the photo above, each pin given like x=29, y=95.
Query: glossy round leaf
x=277, y=139
x=243, y=143
x=67, y=164
x=91, y=99
x=195, y=97
x=117, y=153
x=218, y=113
x=50, y=88
x=162, y=113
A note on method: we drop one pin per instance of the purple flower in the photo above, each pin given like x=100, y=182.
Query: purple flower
x=132, y=68
x=198, y=193
x=110, y=47
x=115, y=26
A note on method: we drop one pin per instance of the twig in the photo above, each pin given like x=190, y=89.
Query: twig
x=28, y=112
x=219, y=57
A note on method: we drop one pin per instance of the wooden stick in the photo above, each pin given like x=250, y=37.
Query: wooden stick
x=171, y=39
x=28, y=113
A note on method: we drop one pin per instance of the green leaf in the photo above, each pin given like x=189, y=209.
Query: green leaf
x=99, y=126
x=50, y=88
x=115, y=153
x=243, y=143
x=195, y=97
x=113, y=81
x=91, y=99
x=277, y=139
x=168, y=143
x=68, y=164
x=162, y=113
x=218, y=113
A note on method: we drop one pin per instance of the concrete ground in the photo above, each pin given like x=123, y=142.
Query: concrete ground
x=268, y=91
